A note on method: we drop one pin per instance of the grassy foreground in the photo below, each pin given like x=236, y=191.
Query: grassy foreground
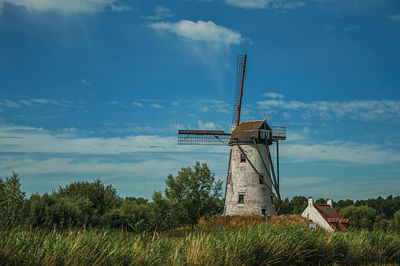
x=260, y=244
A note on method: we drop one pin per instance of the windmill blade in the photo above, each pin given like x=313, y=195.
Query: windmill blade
x=203, y=137
x=240, y=70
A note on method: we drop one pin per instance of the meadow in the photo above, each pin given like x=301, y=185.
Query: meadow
x=259, y=244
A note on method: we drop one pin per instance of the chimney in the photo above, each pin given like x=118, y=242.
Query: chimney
x=310, y=201
x=329, y=202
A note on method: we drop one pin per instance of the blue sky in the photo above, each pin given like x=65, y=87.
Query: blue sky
x=97, y=89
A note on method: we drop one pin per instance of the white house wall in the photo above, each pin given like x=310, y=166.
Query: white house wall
x=311, y=213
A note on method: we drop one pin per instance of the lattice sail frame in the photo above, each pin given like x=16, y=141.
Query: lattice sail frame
x=240, y=71
x=203, y=137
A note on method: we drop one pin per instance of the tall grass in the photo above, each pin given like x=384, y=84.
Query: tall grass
x=258, y=244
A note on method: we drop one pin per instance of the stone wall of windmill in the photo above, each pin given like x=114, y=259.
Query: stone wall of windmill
x=245, y=194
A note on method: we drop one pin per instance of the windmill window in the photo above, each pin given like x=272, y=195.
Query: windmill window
x=241, y=199
x=242, y=157
x=272, y=199
x=261, y=179
x=263, y=211
x=229, y=178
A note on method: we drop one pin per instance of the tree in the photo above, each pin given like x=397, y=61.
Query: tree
x=298, y=203
x=395, y=222
x=321, y=201
x=193, y=193
x=103, y=198
x=11, y=201
x=285, y=207
x=360, y=217
x=133, y=214
x=342, y=204
x=381, y=223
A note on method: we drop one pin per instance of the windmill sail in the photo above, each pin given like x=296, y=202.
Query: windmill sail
x=203, y=137
x=240, y=70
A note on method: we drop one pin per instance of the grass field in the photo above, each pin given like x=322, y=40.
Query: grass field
x=258, y=244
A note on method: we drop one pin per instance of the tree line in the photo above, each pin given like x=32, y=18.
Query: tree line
x=192, y=194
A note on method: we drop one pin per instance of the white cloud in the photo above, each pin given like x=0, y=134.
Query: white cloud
x=137, y=104
x=44, y=101
x=120, y=8
x=160, y=13
x=265, y=4
x=10, y=104
x=70, y=130
x=274, y=95
x=395, y=17
x=352, y=28
x=200, y=31
x=25, y=102
x=156, y=105
x=207, y=125
x=362, y=110
x=216, y=105
x=30, y=139
x=85, y=82
x=340, y=152
x=63, y=6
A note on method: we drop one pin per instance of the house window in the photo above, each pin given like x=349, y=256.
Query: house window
x=261, y=179
x=242, y=158
x=241, y=199
x=263, y=211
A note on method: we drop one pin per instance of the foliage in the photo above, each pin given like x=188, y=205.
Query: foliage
x=359, y=216
x=386, y=207
x=11, y=201
x=381, y=223
x=262, y=244
x=395, y=224
x=193, y=194
x=133, y=213
x=103, y=198
x=294, y=206
x=79, y=204
x=163, y=217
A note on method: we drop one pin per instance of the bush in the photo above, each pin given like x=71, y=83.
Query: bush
x=360, y=217
x=11, y=201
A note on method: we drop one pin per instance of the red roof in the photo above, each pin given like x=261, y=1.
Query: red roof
x=332, y=217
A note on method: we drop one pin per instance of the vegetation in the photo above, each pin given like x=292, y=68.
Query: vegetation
x=193, y=193
x=260, y=244
x=88, y=223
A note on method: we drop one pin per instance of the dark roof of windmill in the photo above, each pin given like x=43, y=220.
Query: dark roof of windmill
x=332, y=217
x=252, y=125
x=248, y=131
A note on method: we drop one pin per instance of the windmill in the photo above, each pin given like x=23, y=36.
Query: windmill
x=252, y=184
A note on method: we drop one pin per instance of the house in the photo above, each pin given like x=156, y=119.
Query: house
x=325, y=216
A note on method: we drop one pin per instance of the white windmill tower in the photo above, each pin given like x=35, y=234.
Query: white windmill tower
x=252, y=184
